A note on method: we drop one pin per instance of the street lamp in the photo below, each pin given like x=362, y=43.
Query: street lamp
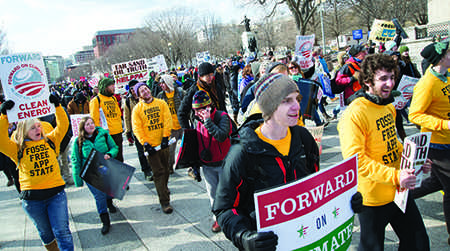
x=169, y=44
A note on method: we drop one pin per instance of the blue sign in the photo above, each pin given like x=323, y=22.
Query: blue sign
x=357, y=34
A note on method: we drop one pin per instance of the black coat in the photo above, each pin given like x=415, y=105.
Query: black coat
x=185, y=111
x=252, y=165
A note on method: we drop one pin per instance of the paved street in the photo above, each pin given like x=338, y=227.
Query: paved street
x=139, y=223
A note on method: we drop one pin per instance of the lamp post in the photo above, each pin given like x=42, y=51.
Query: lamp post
x=169, y=44
x=321, y=24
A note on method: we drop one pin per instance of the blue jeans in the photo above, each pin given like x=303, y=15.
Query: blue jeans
x=100, y=199
x=51, y=218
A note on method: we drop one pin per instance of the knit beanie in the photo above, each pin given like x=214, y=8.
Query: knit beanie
x=434, y=52
x=200, y=99
x=168, y=79
x=137, y=86
x=103, y=84
x=355, y=49
x=205, y=68
x=403, y=48
x=271, y=89
x=255, y=68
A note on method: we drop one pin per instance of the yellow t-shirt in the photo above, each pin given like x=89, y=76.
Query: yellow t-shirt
x=173, y=111
x=111, y=110
x=151, y=121
x=368, y=129
x=282, y=145
x=430, y=107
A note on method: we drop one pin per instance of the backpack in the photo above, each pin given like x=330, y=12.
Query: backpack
x=335, y=88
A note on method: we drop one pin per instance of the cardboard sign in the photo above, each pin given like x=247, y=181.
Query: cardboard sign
x=126, y=71
x=406, y=87
x=157, y=64
x=414, y=155
x=24, y=80
x=303, y=51
x=109, y=176
x=317, y=133
x=313, y=213
x=382, y=30
x=75, y=119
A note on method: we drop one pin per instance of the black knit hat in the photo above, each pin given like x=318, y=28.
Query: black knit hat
x=205, y=68
x=355, y=49
x=434, y=52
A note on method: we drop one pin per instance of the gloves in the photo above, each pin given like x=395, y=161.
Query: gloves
x=149, y=149
x=252, y=240
x=396, y=93
x=7, y=105
x=164, y=143
x=357, y=203
x=54, y=100
x=130, y=138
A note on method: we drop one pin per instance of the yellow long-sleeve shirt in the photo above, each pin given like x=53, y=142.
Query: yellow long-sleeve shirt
x=368, y=129
x=430, y=107
x=38, y=168
x=151, y=121
x=111, y=110
x=170, y=102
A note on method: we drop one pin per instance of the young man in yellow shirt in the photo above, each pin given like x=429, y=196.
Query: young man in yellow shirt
x=152, y=125
x=430, y=109
x=367, y=128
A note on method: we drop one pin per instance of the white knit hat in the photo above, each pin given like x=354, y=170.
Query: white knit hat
x=168, y=80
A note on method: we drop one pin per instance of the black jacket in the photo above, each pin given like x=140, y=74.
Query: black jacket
x=185, y=110
x=251, y=165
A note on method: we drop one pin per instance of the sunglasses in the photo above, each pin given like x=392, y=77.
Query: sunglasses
x=292, y=67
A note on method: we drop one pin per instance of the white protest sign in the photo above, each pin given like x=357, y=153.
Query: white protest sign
x=126, y=71
x=406, y=87
x=157, y=64
x=202, y=57
x=303, y=51
x=414, y=155
x=75, y=120
x=313, y=213
x=24, y=80
x=317, y=132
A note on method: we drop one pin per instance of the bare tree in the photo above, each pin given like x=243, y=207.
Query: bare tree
x=301, y=10
x=337, y=17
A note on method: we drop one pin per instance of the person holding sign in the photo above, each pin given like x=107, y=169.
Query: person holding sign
x=367, y=128
x=42, y=186
x=430, y=107
x=92, y=137
x=271, y=151
x=106, y=102
x=152, y=125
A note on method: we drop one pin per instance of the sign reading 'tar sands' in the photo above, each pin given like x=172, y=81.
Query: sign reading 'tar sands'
x=24, y=80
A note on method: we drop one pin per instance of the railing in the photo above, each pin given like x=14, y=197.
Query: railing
x=432, y=30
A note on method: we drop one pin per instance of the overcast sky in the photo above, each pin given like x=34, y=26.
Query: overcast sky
x=62, y=27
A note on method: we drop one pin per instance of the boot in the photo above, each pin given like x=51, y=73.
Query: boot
x=111, y=207
x=52, y=246
x=106, y=222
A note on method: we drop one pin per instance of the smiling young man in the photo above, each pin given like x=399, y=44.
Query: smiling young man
x=152, y=124
x=367, y=128
x=272, y=151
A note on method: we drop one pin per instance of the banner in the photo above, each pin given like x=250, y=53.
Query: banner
x=414, y=155
x=157, y=64
x=326, y=85
x=109, y=176
x=203, y=57
x=24, y=80
x=75, y=119
x=313, y=213
x=303, y=51
x=406, y=87
x=382, y=30
x=126, y=71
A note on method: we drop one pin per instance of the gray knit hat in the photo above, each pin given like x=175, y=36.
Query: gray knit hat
x=271, y=89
